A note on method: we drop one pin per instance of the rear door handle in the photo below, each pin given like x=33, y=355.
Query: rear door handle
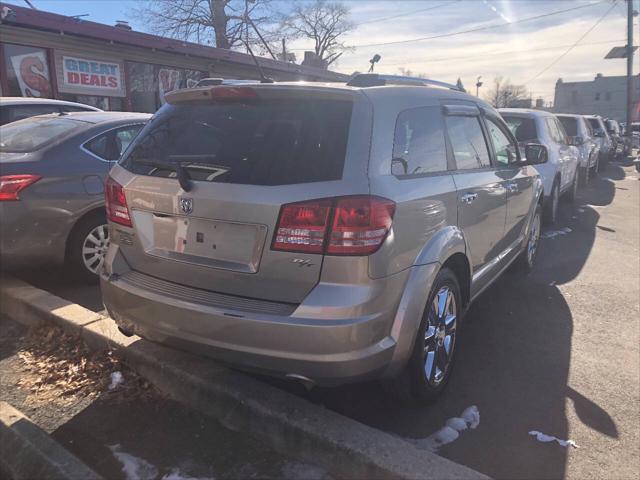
x=468, y=197
x=512, y=187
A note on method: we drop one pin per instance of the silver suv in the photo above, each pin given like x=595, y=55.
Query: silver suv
x=323, y=233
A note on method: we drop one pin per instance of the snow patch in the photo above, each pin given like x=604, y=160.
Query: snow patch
x=555, y=233
x=469, y=418
x=176, y=474
x=134, y=468
x=116, y=380
x=543, y=437
x=472, y=416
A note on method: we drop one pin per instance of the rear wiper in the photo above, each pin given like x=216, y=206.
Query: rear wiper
x=178, y=167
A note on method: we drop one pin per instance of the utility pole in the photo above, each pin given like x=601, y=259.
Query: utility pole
x=284, y=50
x=478, y=85
x=629, y=74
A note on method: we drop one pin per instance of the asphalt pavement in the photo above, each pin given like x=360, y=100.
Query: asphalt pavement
x=557, y=352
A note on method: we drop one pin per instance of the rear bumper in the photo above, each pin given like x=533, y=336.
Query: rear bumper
x=337, y=343
x=25, y=241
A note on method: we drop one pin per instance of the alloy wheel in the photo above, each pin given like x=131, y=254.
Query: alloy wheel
x=440, y=336
x=94, y=248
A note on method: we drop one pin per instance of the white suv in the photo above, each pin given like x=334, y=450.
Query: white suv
x=560, y=173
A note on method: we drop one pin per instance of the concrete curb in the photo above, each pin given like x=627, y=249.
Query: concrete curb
x=344, y=447
x=27, y=452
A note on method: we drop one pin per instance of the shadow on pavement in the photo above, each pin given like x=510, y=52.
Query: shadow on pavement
x=513, y=363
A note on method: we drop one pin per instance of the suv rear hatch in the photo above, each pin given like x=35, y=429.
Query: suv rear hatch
x=240, y=153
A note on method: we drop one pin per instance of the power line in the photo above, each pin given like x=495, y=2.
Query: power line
x=575, y=44
x=478, y=29
x=433, y=7
x=509, y=52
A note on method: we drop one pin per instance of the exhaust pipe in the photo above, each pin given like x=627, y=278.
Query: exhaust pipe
x=306, y=382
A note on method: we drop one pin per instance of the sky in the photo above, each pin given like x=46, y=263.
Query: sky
x=533, y=52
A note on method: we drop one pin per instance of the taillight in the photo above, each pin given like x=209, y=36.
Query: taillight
x=354, y=225
x=302, y=227
x=11, y=185
x=360, y=225
x=116, y=203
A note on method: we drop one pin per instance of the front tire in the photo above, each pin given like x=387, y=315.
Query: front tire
x=551, y=210
x=585, y=172
x=431, y=362
x=573, y=191
x=87, y=248
x=527, y=259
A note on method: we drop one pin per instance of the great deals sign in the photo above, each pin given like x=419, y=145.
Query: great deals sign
x=91, y=76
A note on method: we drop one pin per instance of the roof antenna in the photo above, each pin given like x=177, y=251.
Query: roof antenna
x=263, y=77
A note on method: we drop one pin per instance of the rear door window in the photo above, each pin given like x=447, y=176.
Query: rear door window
x=265, y=142
x=110, y=145
x=419, y=144
x=468, y=143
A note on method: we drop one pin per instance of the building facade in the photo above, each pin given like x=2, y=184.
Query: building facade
x=43, y=54
x=604, y=96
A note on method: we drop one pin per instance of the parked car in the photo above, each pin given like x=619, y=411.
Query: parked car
x=52, y=172
x=18, y=108
x=560, y=172
x=581, y=135
x=601, y=135
x=322, y=233
x=615, y=134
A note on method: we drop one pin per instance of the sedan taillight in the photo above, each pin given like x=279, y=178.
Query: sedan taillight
x=354, y=225
x=11, y=185
x=116, y=203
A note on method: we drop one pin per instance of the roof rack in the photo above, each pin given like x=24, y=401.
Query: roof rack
x=377, y=80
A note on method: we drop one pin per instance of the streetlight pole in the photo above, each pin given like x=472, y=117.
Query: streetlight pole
x=629, y=74
x=478, y=85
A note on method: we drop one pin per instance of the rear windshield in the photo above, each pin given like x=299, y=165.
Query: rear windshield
x=523, y=129
x=268, y=142
x=34, y=133
x=570, y=124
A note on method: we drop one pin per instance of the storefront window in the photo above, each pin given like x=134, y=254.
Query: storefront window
x=142, y=87
x=27, y=71
x=115, y=104
x=148, y=84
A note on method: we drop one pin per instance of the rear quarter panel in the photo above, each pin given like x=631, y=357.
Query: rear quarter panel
x=425, y=205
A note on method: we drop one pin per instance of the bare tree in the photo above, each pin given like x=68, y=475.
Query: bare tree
x=323, y=22
x=406, y=72
x=505, y=94
x=228, y=23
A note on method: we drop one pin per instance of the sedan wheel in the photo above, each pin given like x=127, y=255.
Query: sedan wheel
x=94, y=248
x=440, y=336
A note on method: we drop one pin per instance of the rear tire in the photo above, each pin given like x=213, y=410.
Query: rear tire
x=87, y=248
x=430, y=365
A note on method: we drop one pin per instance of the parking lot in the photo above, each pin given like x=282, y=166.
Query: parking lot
x=555, y=352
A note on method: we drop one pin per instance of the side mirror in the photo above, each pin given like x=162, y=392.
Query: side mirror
x=598, y=133
x=535, y=154
x=576, y=141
